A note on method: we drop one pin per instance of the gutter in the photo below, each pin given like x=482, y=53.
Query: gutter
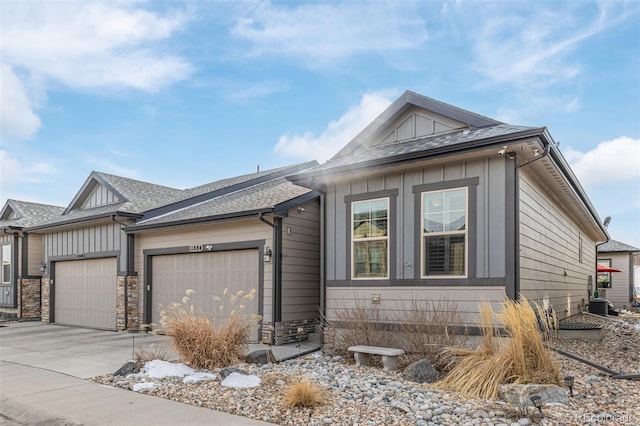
x=77, y=220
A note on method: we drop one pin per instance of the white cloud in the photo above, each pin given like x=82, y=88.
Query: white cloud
x=527, y=46
x=323, y=33
x=89, y=46
x=14, y=171
x=609, y=162
x=338, y=133
x=17, y=119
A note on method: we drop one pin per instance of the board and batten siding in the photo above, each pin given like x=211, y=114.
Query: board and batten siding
x=489, y=250
x=216, y=233
x=621, y=290
x=35, y=254
x=556, y=255
x=301, y=263
x=88, y=241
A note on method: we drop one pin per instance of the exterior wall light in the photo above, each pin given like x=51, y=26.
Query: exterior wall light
x=43, y=267
x=267, y=254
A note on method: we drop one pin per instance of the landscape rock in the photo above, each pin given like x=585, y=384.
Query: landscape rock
x=263, y=356
x=226, y=372
x=420, y=372
x=520, y=395
x=126, y=369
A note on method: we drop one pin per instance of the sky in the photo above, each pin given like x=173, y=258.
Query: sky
x=181, y=93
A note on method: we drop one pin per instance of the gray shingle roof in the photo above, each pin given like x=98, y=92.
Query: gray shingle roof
x=616, y=246
x=423, y=146
x=262, y=197
x=28, y=214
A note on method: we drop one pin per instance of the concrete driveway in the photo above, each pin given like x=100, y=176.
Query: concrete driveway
x=42, y=372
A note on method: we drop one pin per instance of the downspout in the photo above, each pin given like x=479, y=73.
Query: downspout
x=323, y=285
x=276, y=273
x=516, y=272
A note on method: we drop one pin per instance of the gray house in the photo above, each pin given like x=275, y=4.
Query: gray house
x=22, y=258
x=433, y=202
x=617, y=287
x=103, y=255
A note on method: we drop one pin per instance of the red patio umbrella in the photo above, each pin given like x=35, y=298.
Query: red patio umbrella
x=602, y=268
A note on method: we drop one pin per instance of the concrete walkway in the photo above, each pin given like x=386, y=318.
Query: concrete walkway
x=42, y=372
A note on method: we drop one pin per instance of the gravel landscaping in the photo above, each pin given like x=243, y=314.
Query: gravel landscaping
x=370, y=396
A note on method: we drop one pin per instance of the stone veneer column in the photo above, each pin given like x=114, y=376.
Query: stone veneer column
x=29, y=297
x=46, y=295
x=133, y=318
x=121, y=318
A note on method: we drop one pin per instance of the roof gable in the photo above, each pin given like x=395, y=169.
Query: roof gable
x=16, y=213
x=616, y=246
x=414, y=116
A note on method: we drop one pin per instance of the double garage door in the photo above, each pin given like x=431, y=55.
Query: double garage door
x=208, y=274
x=85, y=293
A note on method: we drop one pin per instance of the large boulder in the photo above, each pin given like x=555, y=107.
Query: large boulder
x=520, y=395
x=225, y=372
x=126, y=369
x=262, y=356
x=420, y=372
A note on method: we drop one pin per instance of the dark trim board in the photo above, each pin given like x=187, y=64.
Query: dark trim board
x=149, y=254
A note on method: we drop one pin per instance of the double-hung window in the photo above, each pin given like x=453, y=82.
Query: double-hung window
x=370, y=238
x=6, y=264
x=444, y=233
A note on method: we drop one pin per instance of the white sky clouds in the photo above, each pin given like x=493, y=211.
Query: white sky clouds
x=612, y=161
x=322, y=33
x=14, y=171
x=17, y=119
x=86, y=45
x=338, y=133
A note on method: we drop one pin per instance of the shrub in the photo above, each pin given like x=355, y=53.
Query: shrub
x=421, y=328
x=303, y=393
x=142, y=356
x=520, y=357
x=209, y=341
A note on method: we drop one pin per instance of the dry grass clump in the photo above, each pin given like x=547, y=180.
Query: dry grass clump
x=209, y=341
x=303, y=393
x=519, y=357
x=142, y=356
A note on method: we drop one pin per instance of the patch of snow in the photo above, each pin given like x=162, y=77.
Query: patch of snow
x=158, y=369
x=199, y=376
x=237, y=380
x=137, y=387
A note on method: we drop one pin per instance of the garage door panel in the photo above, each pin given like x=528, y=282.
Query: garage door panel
x=85, y=293
x=208, y=275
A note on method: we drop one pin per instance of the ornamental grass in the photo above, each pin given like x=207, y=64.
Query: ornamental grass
x=518, y=357
x=209, y=341
x=303, y=393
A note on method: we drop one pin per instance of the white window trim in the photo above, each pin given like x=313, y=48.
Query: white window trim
x=11, y=266
x=435, y=234
x=353, y=240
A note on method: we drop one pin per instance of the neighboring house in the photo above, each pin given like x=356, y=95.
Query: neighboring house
x=22, y=258
x=433, y=202
x=95, y=251
x=617, y=287
x=265, y=237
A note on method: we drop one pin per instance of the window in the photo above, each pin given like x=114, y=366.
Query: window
x=604, y=278
x=6, y=264
x=444, y=233
x=370, y=238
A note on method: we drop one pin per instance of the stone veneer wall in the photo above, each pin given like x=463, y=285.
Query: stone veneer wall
x=45, y=313
x=29, y=297
x=287, y=331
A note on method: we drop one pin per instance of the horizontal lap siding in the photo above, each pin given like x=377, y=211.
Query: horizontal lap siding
x=301, y=263
x=220, y=233
x=621, y=290
x=554, y=269
x=35, y=254
x=395, y=300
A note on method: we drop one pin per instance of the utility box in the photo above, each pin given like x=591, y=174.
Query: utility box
x=599, y=306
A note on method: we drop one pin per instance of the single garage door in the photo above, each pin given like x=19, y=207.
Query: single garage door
x=85, y=293
x=208, y=274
